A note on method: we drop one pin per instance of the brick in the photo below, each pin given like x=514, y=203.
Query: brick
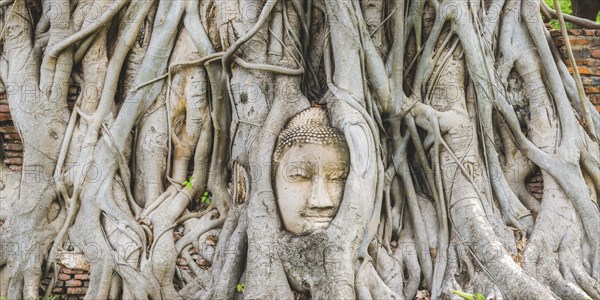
x=5, y=117
x=580, y=41
x=13, y=154
x=589, y=32
x=12, y=136
x=582, y=70
x=590, y=62
x=13, y=161
x=73, y=90
x=4, y=108
x=595, y=99
x=13, y=147
x=82, y=276
x=593, y=62
x=16, y=168
x=71, y=271
x=77, y=291
x=58, y=290
x=559, y=42
x=73, y=282
x=577, y=53
x=64, y=277
x=8, y=129
x=537, y=178
x=592, y=89
x=596, y=53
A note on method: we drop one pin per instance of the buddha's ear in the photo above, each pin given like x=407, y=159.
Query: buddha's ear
x=357, y=133
x=240, y=183
x=358, y=144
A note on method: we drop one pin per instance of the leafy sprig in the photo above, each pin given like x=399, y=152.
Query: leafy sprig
x=188, y=183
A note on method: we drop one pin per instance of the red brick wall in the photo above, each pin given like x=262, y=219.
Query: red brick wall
x=71, y=284
x=586, y=50
x=11, y=142
x=536, y=185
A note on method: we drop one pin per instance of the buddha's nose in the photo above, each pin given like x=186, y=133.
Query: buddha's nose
x=319, y=197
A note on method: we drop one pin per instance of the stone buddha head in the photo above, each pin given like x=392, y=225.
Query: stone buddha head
x=310, y=165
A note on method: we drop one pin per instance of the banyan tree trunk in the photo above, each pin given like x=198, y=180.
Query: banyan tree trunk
x=162, y=177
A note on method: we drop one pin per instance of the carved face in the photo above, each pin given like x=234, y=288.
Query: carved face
x=309, y=184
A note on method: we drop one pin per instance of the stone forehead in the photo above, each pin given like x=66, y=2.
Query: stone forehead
x=310, y=126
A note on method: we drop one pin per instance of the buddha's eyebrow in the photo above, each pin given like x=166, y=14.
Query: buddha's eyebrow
x=332, y=166
x=300, y=164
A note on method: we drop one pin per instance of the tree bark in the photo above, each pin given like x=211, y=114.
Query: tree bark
x=162, y=178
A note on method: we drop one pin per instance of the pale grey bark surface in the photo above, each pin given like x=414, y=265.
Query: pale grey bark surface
x=447, y=107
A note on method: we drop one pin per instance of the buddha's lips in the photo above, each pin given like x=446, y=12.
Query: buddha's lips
x=323, y=214
x=319, y=219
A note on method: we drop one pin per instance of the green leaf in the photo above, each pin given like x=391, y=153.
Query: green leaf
x=464, y=295
x=188, y=183
x=476, y=296
x=239, y=287
x=565, y=7
x=206, y=198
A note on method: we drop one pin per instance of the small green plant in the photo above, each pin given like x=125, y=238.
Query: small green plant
x=239, y=287
x=188, y=183
x=467, y=296
x=206, y=199
x=51, y=297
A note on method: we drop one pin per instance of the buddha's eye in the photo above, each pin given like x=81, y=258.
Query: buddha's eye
x=296, y=174
x=335, y=172
x=337, y=175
